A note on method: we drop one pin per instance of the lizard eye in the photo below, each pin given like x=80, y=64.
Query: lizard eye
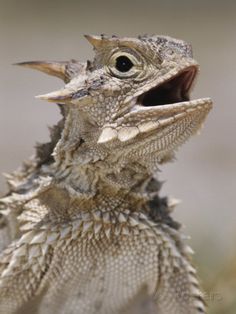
x=123, y=64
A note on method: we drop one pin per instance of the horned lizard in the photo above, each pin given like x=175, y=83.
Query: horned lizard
x=83, y=227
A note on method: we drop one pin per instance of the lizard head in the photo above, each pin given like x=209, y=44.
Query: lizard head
x=132, y=102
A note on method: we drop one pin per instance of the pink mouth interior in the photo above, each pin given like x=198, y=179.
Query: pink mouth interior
x=173, y=91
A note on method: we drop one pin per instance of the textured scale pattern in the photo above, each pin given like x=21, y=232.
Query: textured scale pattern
x=83, y=228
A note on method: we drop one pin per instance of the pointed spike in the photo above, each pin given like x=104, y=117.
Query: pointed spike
x=117, y=230
x=52, y=237
x=133, y=222
x=172, y=202
x=97, y=227
x=108, y=134
x=20, y=251
x=34, y=251
x=127, y=133
x=6, y=272
x=189, y=250
x=87, y=225
x=76, y=224
x=65, y=231
x=44, y=248
x=61, y=96
x=125, y=230
x=39, y=238
x=15, y=262
x=27, y=237
x=95, y=41
x=122, y=218
x=57, y=69
x=107, y=231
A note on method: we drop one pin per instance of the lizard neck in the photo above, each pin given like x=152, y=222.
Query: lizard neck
x=88, y=167
x=82, y=171
x=87, y=189
x=102, y=178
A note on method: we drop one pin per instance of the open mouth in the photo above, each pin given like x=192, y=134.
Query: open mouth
x=163, y=111
x=174, y=90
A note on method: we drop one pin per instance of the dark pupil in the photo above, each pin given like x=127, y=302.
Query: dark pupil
x=123, y=64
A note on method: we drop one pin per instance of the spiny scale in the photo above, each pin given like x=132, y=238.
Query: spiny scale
x=83, y=226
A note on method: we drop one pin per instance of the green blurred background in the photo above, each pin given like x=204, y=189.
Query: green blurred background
x=204, y=175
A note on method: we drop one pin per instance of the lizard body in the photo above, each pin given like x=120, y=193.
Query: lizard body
x=84, y=226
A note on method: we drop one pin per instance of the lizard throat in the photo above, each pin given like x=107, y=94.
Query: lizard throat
x=175, y=90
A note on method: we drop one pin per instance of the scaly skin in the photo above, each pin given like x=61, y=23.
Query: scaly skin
x=83, y=227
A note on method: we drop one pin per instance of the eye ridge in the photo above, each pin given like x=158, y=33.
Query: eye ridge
x=123, y=64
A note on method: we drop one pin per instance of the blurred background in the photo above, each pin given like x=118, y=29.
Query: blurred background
x=204, y=175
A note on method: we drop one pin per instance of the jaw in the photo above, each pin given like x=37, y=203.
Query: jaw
x=166, y=103
x=162, y=112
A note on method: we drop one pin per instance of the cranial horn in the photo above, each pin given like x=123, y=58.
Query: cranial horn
x=61, y=96
x=57, y=69
x=95, y=41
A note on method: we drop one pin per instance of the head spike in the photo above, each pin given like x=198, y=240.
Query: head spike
x=57, y=69
x=61, y=96
x=95, y=41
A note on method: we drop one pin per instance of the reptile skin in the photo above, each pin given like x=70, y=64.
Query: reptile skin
x=83, y=228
